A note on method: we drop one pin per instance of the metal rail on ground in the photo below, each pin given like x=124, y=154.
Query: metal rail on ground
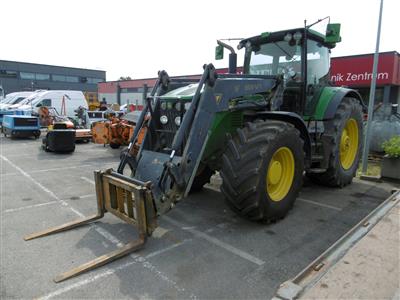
x=307, y=278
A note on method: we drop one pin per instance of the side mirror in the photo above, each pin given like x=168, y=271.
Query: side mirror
x=219, y=52
x=39, y=105
x=332, y=35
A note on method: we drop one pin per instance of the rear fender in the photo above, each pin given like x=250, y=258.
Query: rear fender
x=330, y=99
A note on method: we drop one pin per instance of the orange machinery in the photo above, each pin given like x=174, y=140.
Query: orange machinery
x=115, y=132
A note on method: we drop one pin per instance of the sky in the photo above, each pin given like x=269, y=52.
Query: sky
x=138, y=38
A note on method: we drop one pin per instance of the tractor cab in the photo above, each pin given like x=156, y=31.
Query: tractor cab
x=299, y=58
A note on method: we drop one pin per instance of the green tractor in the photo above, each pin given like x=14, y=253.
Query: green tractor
x=261, y=130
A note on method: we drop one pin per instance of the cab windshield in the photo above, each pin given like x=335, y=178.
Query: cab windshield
x=275, y=59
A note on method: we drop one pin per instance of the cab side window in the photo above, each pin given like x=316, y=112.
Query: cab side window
x=45, y=102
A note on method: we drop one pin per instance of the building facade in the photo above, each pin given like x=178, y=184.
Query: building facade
x=20, y=76
x=356, y=72
x=351, y=71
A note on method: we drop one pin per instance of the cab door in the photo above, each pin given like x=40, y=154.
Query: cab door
x=318, y=66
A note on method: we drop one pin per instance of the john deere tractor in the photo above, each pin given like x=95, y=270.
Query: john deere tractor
x=261, y=130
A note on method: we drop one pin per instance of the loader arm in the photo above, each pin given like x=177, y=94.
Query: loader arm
x=171, y=174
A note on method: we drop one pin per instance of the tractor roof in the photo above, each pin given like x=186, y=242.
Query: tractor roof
x=270, y=37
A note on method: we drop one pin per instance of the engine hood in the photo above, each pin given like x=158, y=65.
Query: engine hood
x=184, y=93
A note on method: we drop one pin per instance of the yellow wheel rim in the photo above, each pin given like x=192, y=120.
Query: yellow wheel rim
x=349, y=144
x=280, y=174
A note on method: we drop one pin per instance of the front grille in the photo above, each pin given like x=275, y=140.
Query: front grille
x=31, y=122
x=167, y=131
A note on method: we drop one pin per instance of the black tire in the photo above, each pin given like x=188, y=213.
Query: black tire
x=245, y=165
x=201, y=179
x=72, y=150
x=114, y=145
x=336, y=175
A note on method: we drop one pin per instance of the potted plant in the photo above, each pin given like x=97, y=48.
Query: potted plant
x=391, y=161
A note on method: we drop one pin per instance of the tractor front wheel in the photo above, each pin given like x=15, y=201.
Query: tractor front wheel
x=262, y=170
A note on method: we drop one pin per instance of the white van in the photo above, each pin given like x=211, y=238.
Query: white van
x=70, y=100
x=14, y=98
x=26, y=101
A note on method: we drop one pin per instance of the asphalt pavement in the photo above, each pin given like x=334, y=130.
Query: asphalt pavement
x=202, y=250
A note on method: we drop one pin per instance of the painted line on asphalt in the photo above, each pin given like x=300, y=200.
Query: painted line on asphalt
x=10, y=210
x=88, y=180
x=137, y=259
x=319, y=204
x=216, y=242
x=85, y=196
x=55, y=169
x=29, y=206
x=101, y=231
x=104, y=233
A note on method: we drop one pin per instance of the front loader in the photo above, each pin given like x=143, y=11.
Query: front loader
x=261, y=130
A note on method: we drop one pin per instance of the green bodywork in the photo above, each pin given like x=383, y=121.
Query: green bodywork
x=224, y=123
x=333, y=33
x=323, y=101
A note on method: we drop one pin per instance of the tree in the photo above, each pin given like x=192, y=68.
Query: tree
x=125, y=78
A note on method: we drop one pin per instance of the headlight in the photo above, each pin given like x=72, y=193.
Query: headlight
x=187, y=105
x=163, y=105
x=178, y=106
x=178, y=121
x=164, y=120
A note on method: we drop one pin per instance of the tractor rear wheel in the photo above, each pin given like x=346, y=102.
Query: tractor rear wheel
x=262, y=170
x=346, y=132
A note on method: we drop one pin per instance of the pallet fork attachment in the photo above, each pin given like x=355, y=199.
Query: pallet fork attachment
x=128, y=199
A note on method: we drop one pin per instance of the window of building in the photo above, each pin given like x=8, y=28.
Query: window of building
x=95, y=80
x=34, y=76
x=26, y=75
x=72, y=78
x=58, y=77
x=7, y=73
x=41, y=76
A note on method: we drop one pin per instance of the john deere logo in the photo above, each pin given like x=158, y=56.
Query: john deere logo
x=218, y=98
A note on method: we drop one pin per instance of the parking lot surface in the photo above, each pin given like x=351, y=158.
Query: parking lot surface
x=202, y=250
